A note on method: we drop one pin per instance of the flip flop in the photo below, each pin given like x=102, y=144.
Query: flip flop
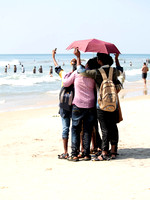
x=113, y=155
x=63, y=156
x=104, y=158
x=86, y=158
x=73, y=158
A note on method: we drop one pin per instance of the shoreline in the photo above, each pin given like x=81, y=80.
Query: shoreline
x=47, y=100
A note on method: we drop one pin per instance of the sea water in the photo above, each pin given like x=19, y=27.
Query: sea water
x=27, y=90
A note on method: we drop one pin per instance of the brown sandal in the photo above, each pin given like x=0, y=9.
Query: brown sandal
x=73, y=158
x=103, y=158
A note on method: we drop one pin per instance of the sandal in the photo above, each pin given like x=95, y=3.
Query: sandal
x=73, y=158
x=98, y=153
x=109, y=153
x=86, y=158
x=103, y=158
x=63, y=156
x=81, y=155
x=93, y=151
x=113, y=155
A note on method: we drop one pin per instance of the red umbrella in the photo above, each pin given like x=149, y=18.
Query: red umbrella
x=94, y=45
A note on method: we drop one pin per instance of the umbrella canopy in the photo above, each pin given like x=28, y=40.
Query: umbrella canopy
x=94, y=45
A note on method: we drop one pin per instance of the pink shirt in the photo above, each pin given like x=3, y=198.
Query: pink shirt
x=84, y=90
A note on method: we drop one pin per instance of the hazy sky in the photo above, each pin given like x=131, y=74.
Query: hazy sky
x=38, y=26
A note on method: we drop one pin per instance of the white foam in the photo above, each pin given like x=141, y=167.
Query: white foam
x=2, y=101
x=25, y=80
x=133, y=72
x=12, y=62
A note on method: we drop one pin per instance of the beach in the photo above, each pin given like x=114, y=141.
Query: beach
x=30, y=141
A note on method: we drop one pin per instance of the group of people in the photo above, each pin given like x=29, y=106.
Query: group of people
x=15, y=68
x=34, y=69
x=85, y=113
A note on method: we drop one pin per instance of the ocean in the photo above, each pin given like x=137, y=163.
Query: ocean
x=28, y=90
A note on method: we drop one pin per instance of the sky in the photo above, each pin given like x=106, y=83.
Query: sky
x=38, y=26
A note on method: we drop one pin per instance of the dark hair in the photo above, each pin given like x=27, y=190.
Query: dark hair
x=73, y=61
x=93, y=64
x=74, y=64
x=74, y=67
x=105, y=58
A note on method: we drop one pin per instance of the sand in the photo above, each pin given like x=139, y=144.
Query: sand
x=30, y=141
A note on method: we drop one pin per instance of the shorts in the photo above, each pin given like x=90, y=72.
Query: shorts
x=144, y=75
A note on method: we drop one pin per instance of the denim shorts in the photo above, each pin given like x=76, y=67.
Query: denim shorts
x=65, y=127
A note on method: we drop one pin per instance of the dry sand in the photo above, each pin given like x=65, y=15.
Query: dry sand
x=30, y=141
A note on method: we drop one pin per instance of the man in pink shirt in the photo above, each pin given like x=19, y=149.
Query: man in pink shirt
x=83, y=111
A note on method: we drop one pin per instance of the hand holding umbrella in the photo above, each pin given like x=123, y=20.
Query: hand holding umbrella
x=77, y=53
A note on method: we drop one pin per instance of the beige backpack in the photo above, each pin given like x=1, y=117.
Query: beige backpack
x=107, y=93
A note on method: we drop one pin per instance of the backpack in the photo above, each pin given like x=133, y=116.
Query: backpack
x=107, y=93
x=66, y=97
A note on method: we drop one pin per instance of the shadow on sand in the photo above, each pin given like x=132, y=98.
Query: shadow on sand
x=136, y=153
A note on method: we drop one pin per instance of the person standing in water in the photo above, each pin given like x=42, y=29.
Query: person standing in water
x=15, y=68
x=51, y=71
x=34, y=70
x=6, y=69
x=23, y=69
x=40, y=69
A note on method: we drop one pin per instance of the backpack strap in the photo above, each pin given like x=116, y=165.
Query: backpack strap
x=110, y=77
x=104, y=76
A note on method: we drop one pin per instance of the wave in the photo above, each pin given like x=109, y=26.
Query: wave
x=2, y=101
x=23, y=80
x=6, y=62
x=133, y=72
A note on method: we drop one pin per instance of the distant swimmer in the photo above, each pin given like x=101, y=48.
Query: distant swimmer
x=6, y=69
x=34, y=70
x=144, y=72
x=15, y=68
x=23, y=69
x=51, y=71
x=148, y=60
x=130, y=63
x=41, y=69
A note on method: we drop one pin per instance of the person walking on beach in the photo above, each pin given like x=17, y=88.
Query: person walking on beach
x=144, y=72
x=65, y=114
x=107, y=120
